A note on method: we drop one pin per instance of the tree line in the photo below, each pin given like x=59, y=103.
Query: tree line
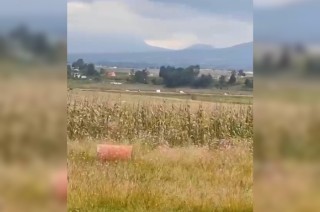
x=181, y=77
x=169, y=76
x=24, y=44
x=190, y=76
x=87, y=69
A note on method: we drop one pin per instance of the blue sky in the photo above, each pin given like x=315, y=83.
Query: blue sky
x=41, y=15
x=287, y=21
x=132, y=25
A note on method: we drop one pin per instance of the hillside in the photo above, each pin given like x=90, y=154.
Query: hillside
x=237, y=57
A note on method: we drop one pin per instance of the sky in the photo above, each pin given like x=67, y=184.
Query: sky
x=138, y=25
x=287, y=21
x=49, y=16
x=275, y=3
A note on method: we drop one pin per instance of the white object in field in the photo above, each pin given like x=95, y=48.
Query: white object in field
x=127, y=90
x=158, y=91
x=115, y=83
x=83, y=77
x=226, y=94
x=181, y=92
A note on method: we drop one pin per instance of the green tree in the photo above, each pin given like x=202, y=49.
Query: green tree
x=102, y=71
x=232, y=79
x=69, y=71
x=40, y=45
x=80, y=64
x=177, y=77
x=91, y=70
x=248, y=83
x=203, y=82
x=157, y=81
x=141, y=77
x=222, y=81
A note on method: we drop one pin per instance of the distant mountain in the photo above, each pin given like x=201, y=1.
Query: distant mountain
x=113, y=43
x=235, y=57
x=200, y=47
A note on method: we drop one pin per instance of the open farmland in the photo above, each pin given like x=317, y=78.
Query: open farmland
x=188, y=155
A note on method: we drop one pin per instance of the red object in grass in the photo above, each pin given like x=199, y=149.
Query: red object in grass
x=60, y=185
x=108, y=152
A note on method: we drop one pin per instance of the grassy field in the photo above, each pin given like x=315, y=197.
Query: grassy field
x=237, y=89
x=161, y=179
x=188, y=155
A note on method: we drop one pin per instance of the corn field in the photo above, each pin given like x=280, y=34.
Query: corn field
x=175, y=124
x=188, y=155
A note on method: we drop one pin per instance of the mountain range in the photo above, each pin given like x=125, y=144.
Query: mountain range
x=235, y=57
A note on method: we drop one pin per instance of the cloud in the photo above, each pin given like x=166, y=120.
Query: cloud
x=161, y=23
x=226, y=7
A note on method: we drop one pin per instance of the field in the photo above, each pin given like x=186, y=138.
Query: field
x=189, y=155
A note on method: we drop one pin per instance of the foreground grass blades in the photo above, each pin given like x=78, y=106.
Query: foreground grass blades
x=161, y=179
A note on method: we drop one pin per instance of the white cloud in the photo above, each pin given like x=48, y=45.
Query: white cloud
x=175, y=41
x=156, y=23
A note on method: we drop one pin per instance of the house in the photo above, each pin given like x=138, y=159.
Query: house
x=76, y=75
x=111, y=74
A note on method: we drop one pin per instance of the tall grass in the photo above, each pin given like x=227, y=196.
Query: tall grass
x=187, y=156
x=161, y=179
x=177, y=124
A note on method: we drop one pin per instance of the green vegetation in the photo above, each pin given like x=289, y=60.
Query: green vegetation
x=84, y=68
x=22, y=44
x=167, y=77
x=180, y=77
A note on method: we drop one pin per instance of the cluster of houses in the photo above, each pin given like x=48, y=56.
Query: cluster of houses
x=77, y=74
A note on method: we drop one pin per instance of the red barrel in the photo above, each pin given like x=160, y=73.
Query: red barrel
x=108, y=152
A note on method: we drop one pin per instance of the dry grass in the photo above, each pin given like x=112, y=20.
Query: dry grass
x=161, y=179
x=32, y=139
x=188, y=156
x=171, y=122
